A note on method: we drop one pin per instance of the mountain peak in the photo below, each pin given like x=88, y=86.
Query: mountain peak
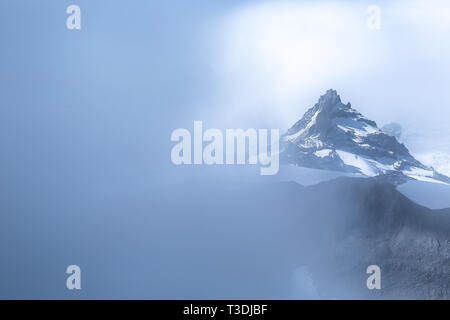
x=334, y=136
x=330, y=98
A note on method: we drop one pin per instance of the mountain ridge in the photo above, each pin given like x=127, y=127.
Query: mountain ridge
x=334, y=136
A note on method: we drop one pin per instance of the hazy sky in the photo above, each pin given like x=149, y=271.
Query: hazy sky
x=138, y=70
x=86, y=115
x=275, y=58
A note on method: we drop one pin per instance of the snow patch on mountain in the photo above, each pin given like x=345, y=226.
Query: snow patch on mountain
x=323, y=153
x=439, y=161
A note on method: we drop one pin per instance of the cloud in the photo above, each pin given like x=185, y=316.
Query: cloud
x=304, y=287
x=274, y=53
x=394, y=129
x=272, y=60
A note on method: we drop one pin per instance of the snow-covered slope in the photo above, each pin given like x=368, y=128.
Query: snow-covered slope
x=439, y=161
x=334, y=136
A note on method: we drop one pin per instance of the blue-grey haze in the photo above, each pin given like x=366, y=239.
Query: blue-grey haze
x=85, y=123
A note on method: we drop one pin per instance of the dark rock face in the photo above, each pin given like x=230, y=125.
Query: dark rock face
x=334, y=136
x=380, y=226
x=359, y=222
x=335, y=229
